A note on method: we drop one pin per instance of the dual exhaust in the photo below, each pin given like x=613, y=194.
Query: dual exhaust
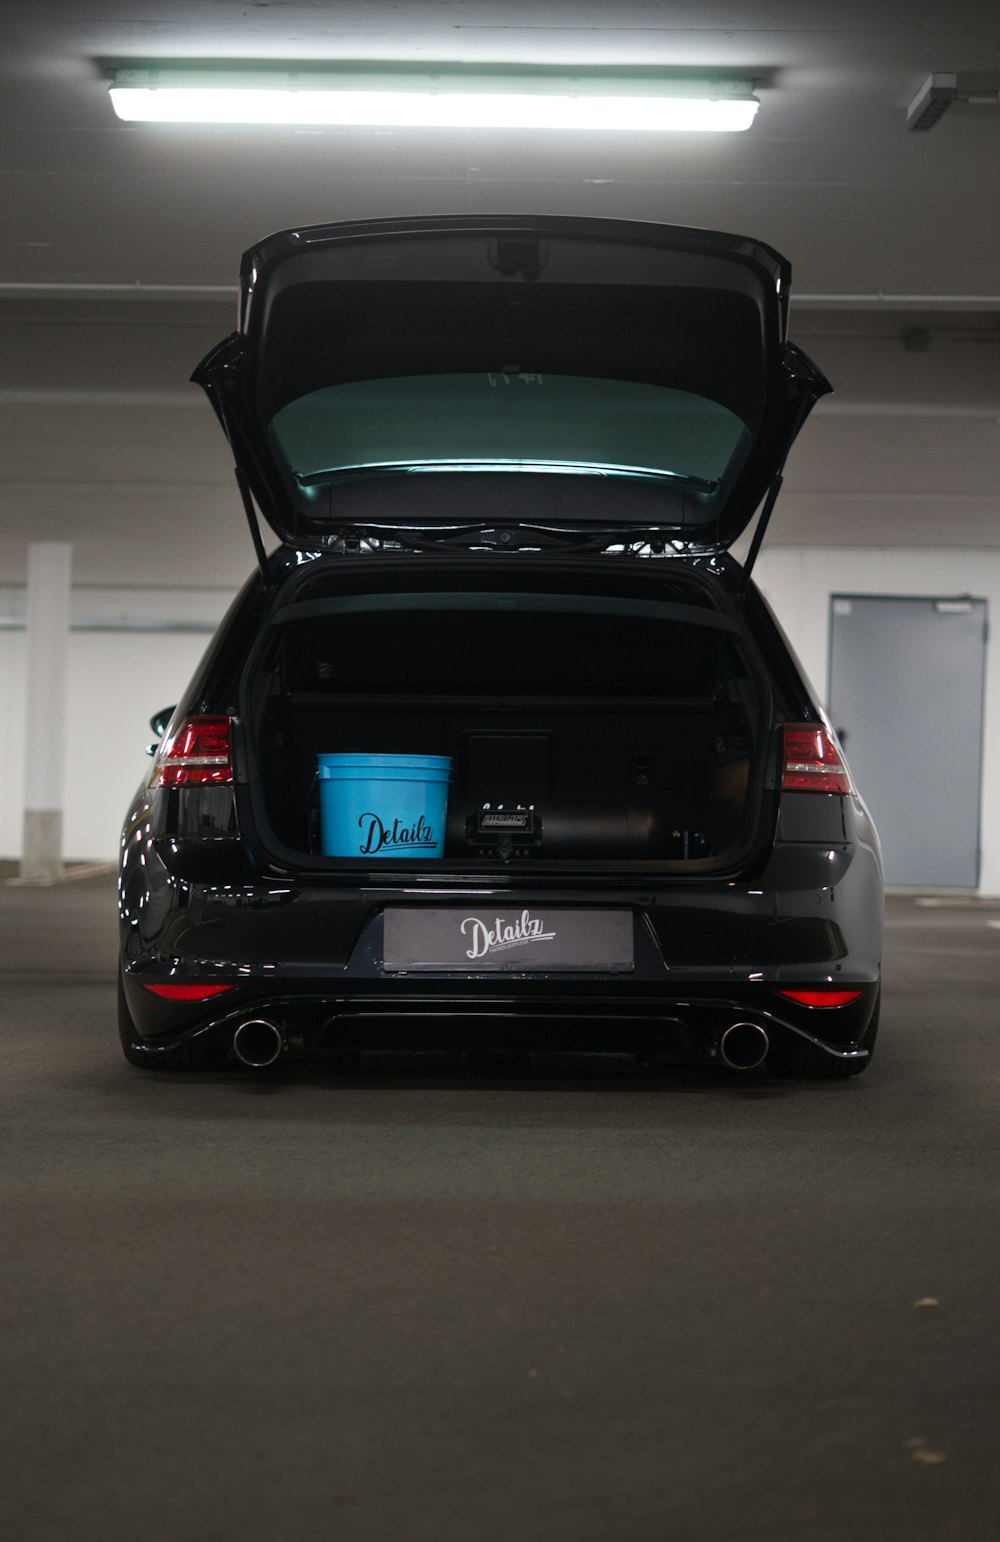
x=259, y=1043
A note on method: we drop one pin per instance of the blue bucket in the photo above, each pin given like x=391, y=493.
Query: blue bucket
x=383, y=806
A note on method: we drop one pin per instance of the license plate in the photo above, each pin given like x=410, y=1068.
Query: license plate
x=512, y=940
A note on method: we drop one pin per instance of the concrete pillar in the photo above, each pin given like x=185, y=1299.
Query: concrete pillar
x=45, y=728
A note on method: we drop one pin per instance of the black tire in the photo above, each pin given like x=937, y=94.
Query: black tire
x=185, y=1057
x=792, y=1057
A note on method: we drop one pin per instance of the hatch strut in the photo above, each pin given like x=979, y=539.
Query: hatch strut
x=811, y=385
x=252, y=521
x=218, y=401
x=758, y=535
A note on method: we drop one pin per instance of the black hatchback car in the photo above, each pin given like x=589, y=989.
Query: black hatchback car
x=500, y=749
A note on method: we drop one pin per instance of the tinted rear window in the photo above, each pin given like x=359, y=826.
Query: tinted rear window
x=509, y=420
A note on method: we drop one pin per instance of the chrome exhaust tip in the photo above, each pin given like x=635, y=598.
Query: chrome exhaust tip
x=258, y=1043
x=744, y=1046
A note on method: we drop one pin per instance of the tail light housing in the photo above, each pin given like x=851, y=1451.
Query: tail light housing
x=199, y=754
x=811, y=761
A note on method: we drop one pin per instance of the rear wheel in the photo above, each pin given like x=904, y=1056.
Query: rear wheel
x=185, y=1057
x=794, y=1057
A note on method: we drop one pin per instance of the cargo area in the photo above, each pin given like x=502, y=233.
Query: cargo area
x=597, y=727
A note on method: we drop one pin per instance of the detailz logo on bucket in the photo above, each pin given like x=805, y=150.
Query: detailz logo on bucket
x=499, y=936
x=415, y=836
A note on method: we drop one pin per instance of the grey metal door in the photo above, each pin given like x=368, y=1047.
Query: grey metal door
x=906, y=694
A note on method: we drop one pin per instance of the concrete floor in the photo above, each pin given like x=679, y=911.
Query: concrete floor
x=441, y=1310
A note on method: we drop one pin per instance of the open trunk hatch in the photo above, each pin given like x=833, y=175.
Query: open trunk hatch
x=594, y=371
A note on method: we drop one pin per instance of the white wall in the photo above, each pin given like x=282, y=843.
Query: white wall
x=132, y=651
x=798, y=582
x=116, y=681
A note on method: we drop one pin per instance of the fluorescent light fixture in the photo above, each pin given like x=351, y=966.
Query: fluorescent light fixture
x=377, y=96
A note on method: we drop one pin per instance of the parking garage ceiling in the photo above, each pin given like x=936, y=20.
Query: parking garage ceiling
x=828, y=172
x=892, y=234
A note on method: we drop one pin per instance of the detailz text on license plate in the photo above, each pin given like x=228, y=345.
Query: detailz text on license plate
x=511, y=940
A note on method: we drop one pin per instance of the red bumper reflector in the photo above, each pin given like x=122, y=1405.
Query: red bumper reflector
x=186, y=992
x=822, y=998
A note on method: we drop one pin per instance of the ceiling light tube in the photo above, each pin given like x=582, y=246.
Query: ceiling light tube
x=381, y=98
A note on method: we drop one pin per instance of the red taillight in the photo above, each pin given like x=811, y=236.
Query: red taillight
x=812, y=761
x=186, y=992
x=198, y=754
x=822, y=998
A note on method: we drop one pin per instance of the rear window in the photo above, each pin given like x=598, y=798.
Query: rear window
x=508, y=420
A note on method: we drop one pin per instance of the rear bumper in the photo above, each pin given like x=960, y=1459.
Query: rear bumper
x=684, y=1028
x=669, y=1004
x=307, y=954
